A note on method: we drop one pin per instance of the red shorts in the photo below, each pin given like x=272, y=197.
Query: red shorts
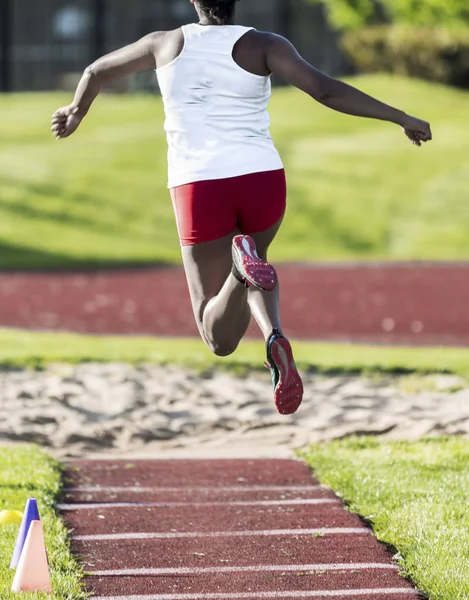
x=210, y=210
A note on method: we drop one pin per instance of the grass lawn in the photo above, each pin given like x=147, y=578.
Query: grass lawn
x=28, y=473
x=36, y=350
x=358, y=189
x=415, y=494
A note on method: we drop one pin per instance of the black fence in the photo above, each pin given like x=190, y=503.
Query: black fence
x=45, y=42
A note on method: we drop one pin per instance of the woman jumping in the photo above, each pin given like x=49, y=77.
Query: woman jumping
x=226, y=177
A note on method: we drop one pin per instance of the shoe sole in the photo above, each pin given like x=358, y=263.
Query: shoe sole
x=288, y=393
x=256, y=271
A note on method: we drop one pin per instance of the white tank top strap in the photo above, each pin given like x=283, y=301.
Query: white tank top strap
x=223, y=38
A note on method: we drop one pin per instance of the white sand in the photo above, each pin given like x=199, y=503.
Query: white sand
x=117, y=410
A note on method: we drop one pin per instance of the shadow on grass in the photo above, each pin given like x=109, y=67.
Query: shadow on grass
x=51, y=190
x=367, y=371
x=117, y=223
x=329, y=228
x=18, y=486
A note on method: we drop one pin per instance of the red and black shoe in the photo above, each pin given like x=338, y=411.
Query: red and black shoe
x=288, y=387
x=248, y=268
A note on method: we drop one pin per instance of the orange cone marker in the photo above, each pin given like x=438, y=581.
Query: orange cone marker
x=32, y=574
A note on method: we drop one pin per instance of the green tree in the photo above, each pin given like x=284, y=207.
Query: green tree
x=353, y=14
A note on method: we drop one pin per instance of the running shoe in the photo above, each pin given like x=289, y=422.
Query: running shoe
x=249, y=268
x=288, y=387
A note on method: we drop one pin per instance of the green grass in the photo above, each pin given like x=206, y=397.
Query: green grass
x=28, y=473
x=358, y=189
x=36, y=350
x=415, y=494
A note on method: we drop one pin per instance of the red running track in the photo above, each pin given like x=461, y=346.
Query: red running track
x=404, y=303
x=221, y=530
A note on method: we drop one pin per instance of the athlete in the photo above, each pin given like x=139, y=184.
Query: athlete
x=226, y=178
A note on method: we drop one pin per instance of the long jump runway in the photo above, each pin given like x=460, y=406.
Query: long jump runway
x=221, y=530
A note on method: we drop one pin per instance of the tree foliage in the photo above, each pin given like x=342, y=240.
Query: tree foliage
x=353, y=14
x=431, y=53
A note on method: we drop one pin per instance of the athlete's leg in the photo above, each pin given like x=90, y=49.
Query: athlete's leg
x=288, y=387
x=263, y=205
x=265, y=306
x=219, y=301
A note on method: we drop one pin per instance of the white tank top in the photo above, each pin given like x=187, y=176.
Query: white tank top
x=217, y=122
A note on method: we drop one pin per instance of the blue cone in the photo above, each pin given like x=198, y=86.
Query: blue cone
x=31, y=513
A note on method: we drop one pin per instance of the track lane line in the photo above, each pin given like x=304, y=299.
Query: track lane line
x=170, y=490
x=102, y=505
x=245, y=569
x=214, y=534
x=268, y=595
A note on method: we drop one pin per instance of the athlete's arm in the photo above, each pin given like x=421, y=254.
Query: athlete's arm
x=116, y=65
x=284, y=60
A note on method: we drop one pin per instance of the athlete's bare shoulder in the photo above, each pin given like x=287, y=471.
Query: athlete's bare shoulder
x=255, y=47
x=166, y=45
x=273, y=42
x=263, y=37
x=283, y=60
x=250, y=52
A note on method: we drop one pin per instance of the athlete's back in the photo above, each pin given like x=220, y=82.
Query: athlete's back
x=216, y=112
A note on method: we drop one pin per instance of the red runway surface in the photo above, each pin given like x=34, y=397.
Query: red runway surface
x=221, y=530
x=377, y=303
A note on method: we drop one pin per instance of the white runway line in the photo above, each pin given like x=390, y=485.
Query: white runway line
x=246, y=569
x=269, y=595
x=175, y=490
x=215, y=534
x=100, y=505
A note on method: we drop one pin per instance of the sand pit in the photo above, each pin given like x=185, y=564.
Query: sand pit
x=118, y=410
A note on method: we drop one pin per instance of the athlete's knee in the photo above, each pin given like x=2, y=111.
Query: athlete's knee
x=222, y=348
x=217, y=345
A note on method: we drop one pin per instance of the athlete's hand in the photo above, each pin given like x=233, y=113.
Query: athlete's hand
x=65, y=121
x=416, y=130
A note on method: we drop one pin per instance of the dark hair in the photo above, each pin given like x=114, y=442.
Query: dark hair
x=219, y=10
